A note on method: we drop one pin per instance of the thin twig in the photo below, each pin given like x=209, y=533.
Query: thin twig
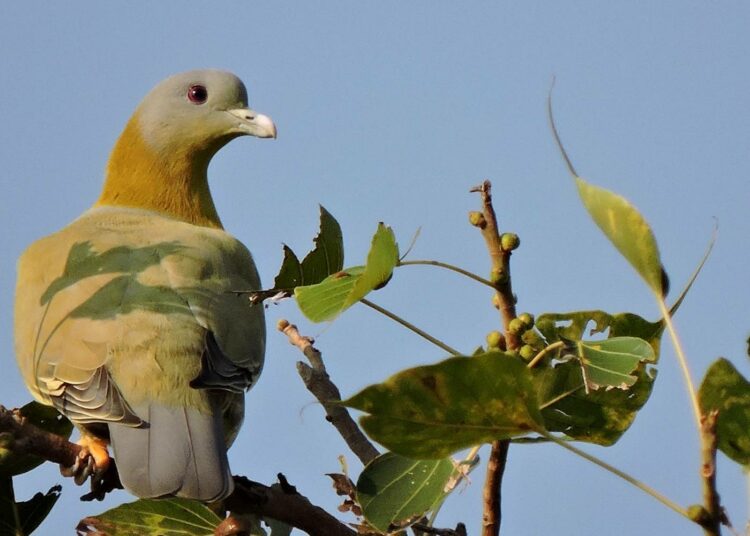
x=506, y=303
x=410, y=326
x=682, y=360
x=450, y=267
x=317, y=381
x=614, y=470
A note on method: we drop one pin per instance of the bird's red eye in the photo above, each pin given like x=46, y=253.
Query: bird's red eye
x=197, y=94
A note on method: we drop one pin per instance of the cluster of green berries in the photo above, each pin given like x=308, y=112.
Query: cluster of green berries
x=521, y=326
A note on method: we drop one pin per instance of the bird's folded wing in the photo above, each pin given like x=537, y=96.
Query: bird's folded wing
x=101, y=306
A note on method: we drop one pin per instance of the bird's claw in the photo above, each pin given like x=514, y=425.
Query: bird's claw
x=92, y=461
x=84, y=467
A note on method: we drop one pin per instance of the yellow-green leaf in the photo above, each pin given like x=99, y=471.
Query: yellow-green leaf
x=395, y=491
x=432, y=411
x=154, y=517
x=627, y=229
x=611, y=363
x=339, y=291
x=620, y=222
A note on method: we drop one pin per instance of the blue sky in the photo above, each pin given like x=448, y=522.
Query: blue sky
x=391, y=111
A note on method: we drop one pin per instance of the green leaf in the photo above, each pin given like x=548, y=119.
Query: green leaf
x=44, y=417
x=339, y=291
x=290, y=274
x=154, y=517
x=610, y=363
x=619, y=221
x=31, y=513
x=726, y=390
x=394, y=491
x=600, y=416
x=327, y=257
x=432, y=411
x=597, y=416
x=381, y=260
x=627, y=230
x=573, y=327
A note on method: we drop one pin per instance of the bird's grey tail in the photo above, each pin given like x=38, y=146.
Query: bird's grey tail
x=180, y=451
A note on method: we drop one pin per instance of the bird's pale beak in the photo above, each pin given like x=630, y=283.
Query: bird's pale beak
x=252, y=123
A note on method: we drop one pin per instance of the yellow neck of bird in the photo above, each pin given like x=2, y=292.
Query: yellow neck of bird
x=172, y=181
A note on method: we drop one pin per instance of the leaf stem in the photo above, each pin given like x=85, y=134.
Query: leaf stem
x=450, y=267
x=468, y=460
x=560, y=397
x=412, y=327
x=682, y=360
x=538, y=357
x=625, y=476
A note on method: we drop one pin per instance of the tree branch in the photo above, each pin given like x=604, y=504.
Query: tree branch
x=280, y=502
x=500, y=272
x=25, y=438
x=486, y=221
x=317, y=381
x=711, y=503
x=283, y=503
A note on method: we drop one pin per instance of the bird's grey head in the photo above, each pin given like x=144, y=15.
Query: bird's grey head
x=199, y=110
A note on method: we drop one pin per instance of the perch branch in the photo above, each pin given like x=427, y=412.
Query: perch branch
x=506, y=304
x=317, y=381
x=26, y=438
x=282, y=503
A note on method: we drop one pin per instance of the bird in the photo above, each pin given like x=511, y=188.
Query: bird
x=128, y=320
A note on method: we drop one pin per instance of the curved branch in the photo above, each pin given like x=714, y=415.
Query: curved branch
x=317, y=381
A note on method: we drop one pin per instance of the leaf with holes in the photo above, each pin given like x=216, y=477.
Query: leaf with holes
x=600, y=416
x=573, y=326
x=394, y=491
x=326, y=258
x=610, y=363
